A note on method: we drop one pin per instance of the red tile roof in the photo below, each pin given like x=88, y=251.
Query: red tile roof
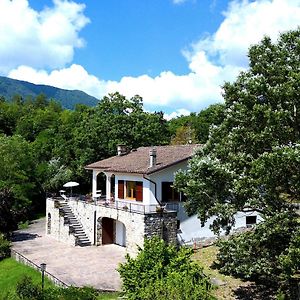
x=138, y=161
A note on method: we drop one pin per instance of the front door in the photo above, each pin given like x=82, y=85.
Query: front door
x=107, y=231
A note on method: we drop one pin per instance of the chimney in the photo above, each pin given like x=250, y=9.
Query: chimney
x=152, y=154
x=122, y=150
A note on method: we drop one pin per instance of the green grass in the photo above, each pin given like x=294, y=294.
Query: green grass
x=108, y=296
x=11, y=272
x=23, y=225
x=205, y=257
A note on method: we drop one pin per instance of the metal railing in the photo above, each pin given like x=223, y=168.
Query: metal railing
x=125, y=205
x=24, y=260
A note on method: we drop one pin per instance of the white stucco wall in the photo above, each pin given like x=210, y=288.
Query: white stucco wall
x=120, y=233
x=134, y=177
x=191, y=226
x=165, y=175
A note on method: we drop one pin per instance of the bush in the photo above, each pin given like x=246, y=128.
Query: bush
x=268, y=253
x=163, y=272
x=4, y=247
x=27, y=290
x=71, y=293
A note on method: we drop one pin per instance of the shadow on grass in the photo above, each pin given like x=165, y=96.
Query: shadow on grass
x=255, y=292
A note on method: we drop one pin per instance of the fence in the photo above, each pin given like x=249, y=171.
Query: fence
x=22, y=259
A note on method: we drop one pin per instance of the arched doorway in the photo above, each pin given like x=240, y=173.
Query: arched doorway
x=101, y=183
x=49, y=224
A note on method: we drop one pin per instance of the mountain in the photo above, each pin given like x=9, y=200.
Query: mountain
x=68, y=99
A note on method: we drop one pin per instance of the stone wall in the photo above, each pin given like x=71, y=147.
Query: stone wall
x=137, y=225
x=59, y=230
x=163, y=225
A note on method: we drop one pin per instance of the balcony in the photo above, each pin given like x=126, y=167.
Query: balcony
x=124, y=205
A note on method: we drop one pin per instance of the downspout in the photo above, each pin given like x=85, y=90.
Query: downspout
x=155, y=194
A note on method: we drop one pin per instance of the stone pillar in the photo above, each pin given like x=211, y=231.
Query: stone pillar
x=99, y=231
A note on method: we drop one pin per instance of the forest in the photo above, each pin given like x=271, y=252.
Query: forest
x=42, y=145
x=250, y=158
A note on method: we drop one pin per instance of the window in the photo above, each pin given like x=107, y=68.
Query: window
x=132, y=190
x=168, y=193
x=250, y=221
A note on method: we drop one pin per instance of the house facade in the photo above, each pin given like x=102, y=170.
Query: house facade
x=132, y=199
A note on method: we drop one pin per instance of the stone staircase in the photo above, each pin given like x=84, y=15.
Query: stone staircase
x=75, y=226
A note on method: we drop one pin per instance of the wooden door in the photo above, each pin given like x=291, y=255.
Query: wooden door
x=107, y=231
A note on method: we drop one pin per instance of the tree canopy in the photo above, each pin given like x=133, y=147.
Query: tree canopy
x=243, y=160
x=251, y=160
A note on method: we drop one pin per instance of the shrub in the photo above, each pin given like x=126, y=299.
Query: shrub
x=4, y=247
x=27, y=290
x=268, y=253
x=71, y=293
x=163, y=272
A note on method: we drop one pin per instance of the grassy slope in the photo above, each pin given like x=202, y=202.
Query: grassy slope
x=11, y=272
x=206, y=257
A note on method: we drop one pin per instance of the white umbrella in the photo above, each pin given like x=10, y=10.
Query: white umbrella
x=71, y=184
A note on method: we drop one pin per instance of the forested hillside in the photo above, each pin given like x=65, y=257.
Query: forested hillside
x=42, y=145
x=68, y=99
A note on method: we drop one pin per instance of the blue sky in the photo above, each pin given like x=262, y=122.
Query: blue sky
x=132, y=37
x=176, y=54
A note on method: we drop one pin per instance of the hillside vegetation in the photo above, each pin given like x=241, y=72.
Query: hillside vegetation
x=67, y=98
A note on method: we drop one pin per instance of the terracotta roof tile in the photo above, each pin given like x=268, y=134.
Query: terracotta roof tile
x=138, y=161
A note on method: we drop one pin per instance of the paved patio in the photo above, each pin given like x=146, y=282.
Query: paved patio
x=79, y=266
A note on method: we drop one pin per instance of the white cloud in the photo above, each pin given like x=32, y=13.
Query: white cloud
x=73, y=77
x=44, y=39
x=212, y=60
x=216, y=58
x=179, y=1
x=245, y=23
x=179, y=112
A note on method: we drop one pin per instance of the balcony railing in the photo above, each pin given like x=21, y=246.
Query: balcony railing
x=125, y=205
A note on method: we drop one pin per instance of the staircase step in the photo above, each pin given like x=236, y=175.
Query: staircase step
x=74, y=223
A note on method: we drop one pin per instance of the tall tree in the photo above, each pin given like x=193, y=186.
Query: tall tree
x=251, y=159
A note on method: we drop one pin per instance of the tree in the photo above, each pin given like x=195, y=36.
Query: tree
x=10, y=212
x=184, y=135
x=251, y=159
x=195, y=127
x=18, y=183
x=162, y=272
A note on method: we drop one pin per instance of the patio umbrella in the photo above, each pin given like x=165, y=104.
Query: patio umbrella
x=71, y=184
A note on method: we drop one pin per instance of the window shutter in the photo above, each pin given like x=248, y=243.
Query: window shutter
x=121, y=189
x=139, y=191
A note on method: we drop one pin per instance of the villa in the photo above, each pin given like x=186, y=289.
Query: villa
x=132, y=199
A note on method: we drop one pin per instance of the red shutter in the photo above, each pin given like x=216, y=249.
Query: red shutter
x=139, y=191
x=121, y=189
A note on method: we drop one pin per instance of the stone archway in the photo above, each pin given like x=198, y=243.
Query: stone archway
x=49, y=223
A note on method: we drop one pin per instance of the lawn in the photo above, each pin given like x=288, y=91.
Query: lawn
x=206, y=257
x=11, y=272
